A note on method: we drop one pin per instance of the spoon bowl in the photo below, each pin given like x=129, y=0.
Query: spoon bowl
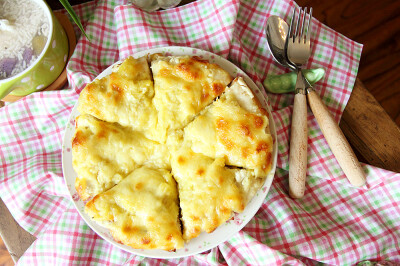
x=277, y=31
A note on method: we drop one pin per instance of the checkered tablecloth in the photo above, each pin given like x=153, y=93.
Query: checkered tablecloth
x=333, y=223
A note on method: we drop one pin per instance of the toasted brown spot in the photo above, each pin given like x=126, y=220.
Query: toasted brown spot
x=188, y=70
x=258, y=121
x=222, y=124
x=139, y=186
x=244, y=130
x=80, y=186
x=200, y=171
x=262, y=146
x=204, y=96
x=95, y=198
x=79, y=139
x=169, y=237
x=264, y=112
x=220, y=180
x=214, y=223
x=118, y=241
x=181, y=159
x=226, y=141
x=91, y=204
x=90, y=87
x=217, y=88
x=212, y=229
x=164, y=72
x=77, y=121
x=96, y=85
x=225, y=210
x=195, y=231
x=245, y=152
x=93, y=110
x=145, y=240
x=268, y=162
x=101, y=134
x=129, y=229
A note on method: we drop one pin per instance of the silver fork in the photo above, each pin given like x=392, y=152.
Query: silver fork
x=298, y=52
x=298, y=42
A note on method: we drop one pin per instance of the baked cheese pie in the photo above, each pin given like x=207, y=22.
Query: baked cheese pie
x=183, y=86
x=105, y=153
x=125, y=97
x=208, y=192
x=234, y=127
x=168, y=147
x=141, y=211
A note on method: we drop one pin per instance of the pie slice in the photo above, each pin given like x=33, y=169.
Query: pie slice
x=234, y=127
x=124, y=96
x=183, y=86
x=105, y=153
x=208, y=192
x=141, y=211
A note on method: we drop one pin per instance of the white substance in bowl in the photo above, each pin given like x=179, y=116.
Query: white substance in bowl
x=20, y=22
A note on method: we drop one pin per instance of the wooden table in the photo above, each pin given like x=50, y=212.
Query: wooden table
x=373, y=134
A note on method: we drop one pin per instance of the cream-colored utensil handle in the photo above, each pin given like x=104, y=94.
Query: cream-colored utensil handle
x=336, y=141
x=298, y=147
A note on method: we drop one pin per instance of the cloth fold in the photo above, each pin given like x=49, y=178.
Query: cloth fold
x=334, y=223
x=206, y=25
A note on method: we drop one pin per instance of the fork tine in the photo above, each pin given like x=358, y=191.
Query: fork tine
x=292, y=25
x=308, y=33
x=298, y=23
x=302, y=28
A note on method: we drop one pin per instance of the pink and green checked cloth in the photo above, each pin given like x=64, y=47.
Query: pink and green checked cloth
x=334, y=223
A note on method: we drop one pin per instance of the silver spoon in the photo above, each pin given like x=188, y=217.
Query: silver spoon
x=277, y=30
x=277, y=33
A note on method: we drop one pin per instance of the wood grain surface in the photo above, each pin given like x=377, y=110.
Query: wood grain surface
x=16, y=239
x=298, y=146
x=379, y=145
x=376, y=24
x=5, y=257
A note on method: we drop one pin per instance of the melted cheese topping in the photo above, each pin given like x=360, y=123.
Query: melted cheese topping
x=132, y=131
x=141, y=211
x=239, y=133
x=104, y=153
x=208, y=192
x=183, y=87
x=125, y=97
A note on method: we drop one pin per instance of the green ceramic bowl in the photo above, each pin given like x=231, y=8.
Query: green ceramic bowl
x=46, y=68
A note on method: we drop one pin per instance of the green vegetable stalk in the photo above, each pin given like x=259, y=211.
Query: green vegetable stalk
x=285, y=83
x=73, y=15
